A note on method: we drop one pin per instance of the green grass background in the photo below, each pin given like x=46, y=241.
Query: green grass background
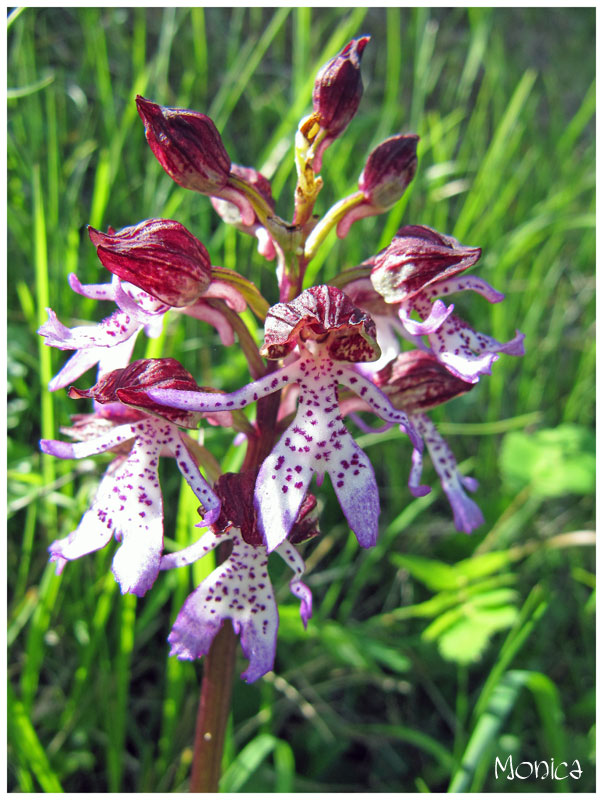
x=435, y=651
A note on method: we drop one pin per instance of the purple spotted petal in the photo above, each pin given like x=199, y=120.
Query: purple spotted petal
x=182, y=558
x=467, y=514
x=128, y=505
x=463, y=283
x=138, y=522
x=212, y=401
x=239, y=590
x=129, y=502
x=354, y=482
x=281, y=485
x=378, y=402
x=90, y=447
x=95, y=291
x=116, y=328
x=416, y=487
x=190, y=471
x=467, y=353
x=94, y=530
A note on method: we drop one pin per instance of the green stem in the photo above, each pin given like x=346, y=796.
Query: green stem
x=333, y=216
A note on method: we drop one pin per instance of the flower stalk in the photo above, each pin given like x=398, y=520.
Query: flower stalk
x=330, y=351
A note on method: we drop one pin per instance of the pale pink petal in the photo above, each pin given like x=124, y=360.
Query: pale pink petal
x=95, y=291
x=227, y=292
x=79, y=363
x=213, y=317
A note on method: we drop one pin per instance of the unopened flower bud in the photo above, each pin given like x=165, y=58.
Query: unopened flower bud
x=335, y=98
x=388, y=170
x=418, y=257
x=187, y=145
x=416, y=381
x=159, y=256
x=130, y=386
x=338, y=88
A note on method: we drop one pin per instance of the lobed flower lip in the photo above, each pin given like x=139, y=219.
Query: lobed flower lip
x=239, y=589
x=416, y=381
x=159, y=256
x=128, y=503
x=389, y=169
x=130, y=386
x=418, y=257
x=338, y=88
x=187, y=145
x=317, y=313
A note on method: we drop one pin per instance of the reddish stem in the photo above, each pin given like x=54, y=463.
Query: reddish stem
x=218, y=670
x=214, y=708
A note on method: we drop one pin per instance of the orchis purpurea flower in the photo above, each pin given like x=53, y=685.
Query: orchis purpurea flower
x=467, y=514
x=421, y=265
x=335, y=99
x=128, y=503
x=415, y=381
x=157, y=265
x=239, y=589
x=330, y=336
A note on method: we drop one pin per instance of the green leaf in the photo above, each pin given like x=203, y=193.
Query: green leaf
x=30, y=752
x=554, y=461
x=346, y=647
x=434, y=574
x=247, y=762
x=466, y=640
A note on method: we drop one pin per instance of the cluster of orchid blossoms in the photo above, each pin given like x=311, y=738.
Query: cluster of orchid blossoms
x=329, y=351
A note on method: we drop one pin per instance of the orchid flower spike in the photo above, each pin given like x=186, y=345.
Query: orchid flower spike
x=329, y=336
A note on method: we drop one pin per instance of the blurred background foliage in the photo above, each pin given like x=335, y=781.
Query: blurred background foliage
x=434, y=652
